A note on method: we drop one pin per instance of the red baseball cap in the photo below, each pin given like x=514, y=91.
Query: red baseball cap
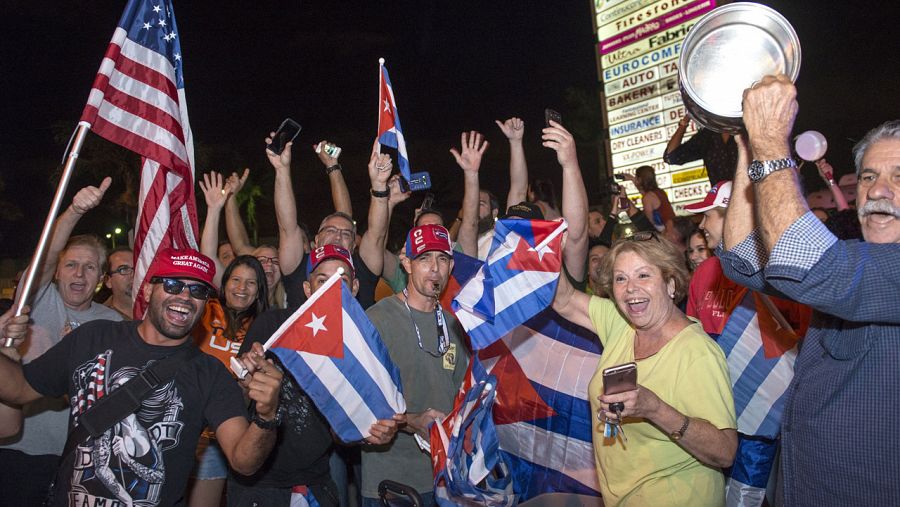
x=717, y=197
x=426, y=238
x=185, y=263
x=328, y=252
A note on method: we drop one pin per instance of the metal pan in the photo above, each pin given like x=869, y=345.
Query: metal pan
x=728, y=50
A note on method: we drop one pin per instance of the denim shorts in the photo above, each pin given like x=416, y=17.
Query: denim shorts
x=211, y=462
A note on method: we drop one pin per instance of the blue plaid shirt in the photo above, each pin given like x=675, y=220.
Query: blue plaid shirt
x=841, y=424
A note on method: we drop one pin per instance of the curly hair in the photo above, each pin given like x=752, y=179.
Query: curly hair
x=657, y=251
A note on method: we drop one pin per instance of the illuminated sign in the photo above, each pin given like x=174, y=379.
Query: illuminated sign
x=639, y=43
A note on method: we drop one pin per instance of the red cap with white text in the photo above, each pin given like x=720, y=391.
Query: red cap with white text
x=328, y=252
x=426, y=238
x=718, y=197
x=185, y=263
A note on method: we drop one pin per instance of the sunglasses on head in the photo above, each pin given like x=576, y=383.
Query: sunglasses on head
x=176, y=287
x=642, y=236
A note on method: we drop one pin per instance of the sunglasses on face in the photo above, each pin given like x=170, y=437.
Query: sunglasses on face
x=122, y=270
x=176, y=287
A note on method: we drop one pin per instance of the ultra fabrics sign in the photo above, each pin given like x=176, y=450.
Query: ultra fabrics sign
x=638, y=44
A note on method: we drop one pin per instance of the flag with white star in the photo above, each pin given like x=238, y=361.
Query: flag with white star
x=137, y=101
x=517, y=281
x=337, y=357
x=390, y=133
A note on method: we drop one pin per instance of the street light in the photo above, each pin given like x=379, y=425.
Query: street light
x=112, y=235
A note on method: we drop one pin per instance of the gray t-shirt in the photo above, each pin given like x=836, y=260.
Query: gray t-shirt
x=428, y=382
x=46, y=420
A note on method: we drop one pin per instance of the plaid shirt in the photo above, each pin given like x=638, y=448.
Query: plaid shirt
x=841, y=425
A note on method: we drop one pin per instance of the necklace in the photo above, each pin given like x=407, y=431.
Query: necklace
x=443, y=334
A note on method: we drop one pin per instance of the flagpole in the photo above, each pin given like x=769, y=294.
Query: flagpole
x=378, y=116
x=23, y=295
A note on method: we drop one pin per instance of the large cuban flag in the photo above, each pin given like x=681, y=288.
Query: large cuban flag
x=542, y=416
x=390, y=133
x=336, y=355
x=760, y=349
x=517, y=281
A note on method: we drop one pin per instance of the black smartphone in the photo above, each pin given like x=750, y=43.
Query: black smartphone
x=550, y=114
x=286, y=133
x=417, y=181
x=619, y=379
x=620, y=176
x=428, y=201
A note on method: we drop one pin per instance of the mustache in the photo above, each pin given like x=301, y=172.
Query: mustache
x=882, y=206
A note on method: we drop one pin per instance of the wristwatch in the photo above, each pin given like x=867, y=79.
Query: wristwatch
x=759, y=169
x=264, y=424
x=677, y=434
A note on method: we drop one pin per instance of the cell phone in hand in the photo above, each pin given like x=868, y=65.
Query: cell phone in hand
x=417, y=181
x=428, y=201
x=551, y=114
x=620, y=176
x=619, y=379
x=286, y=133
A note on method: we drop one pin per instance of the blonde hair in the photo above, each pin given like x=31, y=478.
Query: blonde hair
x=657, y=251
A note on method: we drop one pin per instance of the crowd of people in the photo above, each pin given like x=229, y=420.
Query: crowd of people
x=658, y=297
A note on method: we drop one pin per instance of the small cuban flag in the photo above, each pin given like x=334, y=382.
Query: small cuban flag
x=390, y=133
x=337, y=357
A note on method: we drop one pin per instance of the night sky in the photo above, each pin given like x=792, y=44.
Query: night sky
x=454, y=65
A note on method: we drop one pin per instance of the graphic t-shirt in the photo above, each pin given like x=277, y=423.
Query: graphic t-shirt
x=689, y=373
x=712, y=296
x=300, y=455
x=144, y=459
x=210, y=337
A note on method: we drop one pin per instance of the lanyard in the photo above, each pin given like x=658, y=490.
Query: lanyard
x=443, y=334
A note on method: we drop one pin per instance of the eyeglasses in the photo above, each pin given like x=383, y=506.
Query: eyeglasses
x=331, y=230
x=263, y=260
x=176, y=287
x=122, y=270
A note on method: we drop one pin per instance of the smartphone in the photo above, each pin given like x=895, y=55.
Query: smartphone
x=428, y=201
x=286, y=133
x=619, y=379
x=417, y=181
x=550, y=114
x=620, y=176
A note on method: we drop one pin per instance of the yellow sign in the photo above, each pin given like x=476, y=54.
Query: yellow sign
x=688, y=176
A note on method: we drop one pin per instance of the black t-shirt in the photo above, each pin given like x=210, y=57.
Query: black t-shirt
x=146, y=457
x=300, y=455
x=293, y=283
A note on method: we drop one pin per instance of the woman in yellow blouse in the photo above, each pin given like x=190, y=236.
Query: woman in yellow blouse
x=678, y=426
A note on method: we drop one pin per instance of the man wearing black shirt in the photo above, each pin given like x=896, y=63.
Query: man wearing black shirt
x=146, y=457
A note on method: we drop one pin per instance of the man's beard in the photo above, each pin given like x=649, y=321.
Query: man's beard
x=485, y=224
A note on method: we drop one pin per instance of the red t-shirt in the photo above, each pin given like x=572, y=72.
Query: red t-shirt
x=712, y=296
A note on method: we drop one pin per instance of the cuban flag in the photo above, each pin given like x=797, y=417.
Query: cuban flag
x=464, y=268
x=337, y=357
x=517, y=281
x=542, y=416
x=760, y=349
x=390, y=133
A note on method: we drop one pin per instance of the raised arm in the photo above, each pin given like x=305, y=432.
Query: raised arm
x=827, y=174
x=85, y=200
x=574, y=198
x=514, y=130
x=770, y=107
x=291, y=238
x=340, y=194
x=216, y=193
x=678, y=135
x=572, y=304
x=391, y=262
x=469, y=160
x=371, y=246
x=234, y=225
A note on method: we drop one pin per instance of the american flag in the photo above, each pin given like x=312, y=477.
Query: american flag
x=138, y=102
x=90, y=379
